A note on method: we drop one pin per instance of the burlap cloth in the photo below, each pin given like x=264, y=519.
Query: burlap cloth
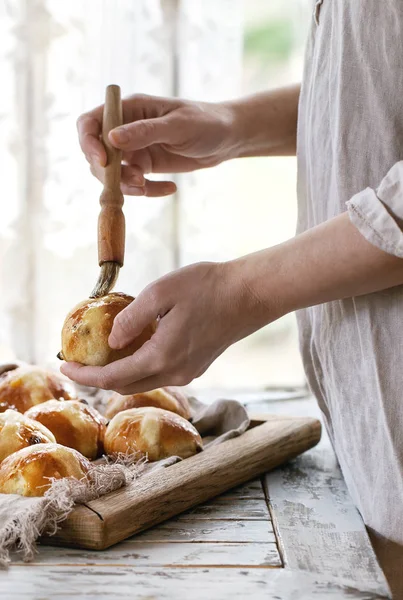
x=23, y=520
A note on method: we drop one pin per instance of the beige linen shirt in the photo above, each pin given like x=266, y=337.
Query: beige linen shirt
x=350, y=155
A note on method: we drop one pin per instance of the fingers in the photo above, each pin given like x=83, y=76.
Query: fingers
x=144, y=133
x=148, y=121
x=89, y=130
x=129, y=323
x=151, y=189
x=158, y=362
x=114, y=379
x=115, y=375
x=135, y=184
x=147, y=369
x=132, y=176
x=144, y=106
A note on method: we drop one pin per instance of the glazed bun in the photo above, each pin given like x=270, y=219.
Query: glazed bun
x=73, y=423
x=87, y=327
x=18, y=431
x=27, y=386
x=167, y=398
x=28, y=471
x=151, y=432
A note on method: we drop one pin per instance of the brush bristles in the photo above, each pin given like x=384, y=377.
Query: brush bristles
x=106, y=280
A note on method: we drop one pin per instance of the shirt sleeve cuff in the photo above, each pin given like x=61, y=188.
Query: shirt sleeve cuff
x=378, y=214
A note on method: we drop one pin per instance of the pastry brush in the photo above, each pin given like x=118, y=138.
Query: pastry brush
x=111, y=221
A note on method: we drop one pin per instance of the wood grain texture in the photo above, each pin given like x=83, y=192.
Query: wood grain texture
x=232, y=509
x=111, y=222
x=185, y=530
x=186, y=554
x=103, y=582
x=252, y=490
x=318, y=527
x=166, y=493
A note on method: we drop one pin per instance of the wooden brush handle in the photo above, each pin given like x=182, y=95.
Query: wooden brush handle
x=111, y=223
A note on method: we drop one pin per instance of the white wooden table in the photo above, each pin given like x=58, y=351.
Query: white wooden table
x=294, y=534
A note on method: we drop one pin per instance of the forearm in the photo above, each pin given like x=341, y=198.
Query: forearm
x=266, y=124
x=329, y=262
x=206, y=307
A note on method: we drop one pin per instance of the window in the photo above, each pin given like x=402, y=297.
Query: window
x=55, y=60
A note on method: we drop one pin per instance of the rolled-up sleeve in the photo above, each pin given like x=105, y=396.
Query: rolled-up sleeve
x=378, y=214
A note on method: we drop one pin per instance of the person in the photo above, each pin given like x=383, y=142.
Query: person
x=343, y=272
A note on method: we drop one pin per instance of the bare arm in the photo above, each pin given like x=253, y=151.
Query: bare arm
x=266, y=124
x=332, y=261
x=208, y=306
x=170, y=135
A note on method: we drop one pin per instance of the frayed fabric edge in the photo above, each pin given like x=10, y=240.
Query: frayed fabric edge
x=46, y=513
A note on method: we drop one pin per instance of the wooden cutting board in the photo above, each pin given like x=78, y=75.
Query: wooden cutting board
x=269, y=442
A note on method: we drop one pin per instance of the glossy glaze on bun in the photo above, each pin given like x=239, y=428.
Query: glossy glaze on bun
x=18, y=431
x=87, y=327
x=167, y=398
x=28, y=386
x=74, y=424
x=28, y=471
x=151, y=432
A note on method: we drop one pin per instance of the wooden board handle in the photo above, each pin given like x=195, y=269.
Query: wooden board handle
x=111, y=222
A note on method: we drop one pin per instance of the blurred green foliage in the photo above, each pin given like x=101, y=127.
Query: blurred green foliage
x=273, y=40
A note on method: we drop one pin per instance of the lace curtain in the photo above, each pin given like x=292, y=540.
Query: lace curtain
x=55, y=60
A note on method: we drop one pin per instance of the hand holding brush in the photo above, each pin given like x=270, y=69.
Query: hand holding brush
x=87, y=327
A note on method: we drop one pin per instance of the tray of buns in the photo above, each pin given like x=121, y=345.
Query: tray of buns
x=48, y=432
x=270, y=441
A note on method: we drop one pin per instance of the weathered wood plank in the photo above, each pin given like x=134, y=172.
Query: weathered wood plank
x=113, y=583
x=232, y=509
x=318, y=527
x=237, y=501
x=149, y=554
x=254, y=489
x=213, y=531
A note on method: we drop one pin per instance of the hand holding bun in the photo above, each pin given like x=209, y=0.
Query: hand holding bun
x=28, y=471
x=73, y=423
x=153, y=432
x=87, y=327
x=18, y=431
x=167, y=398
x=27, y=386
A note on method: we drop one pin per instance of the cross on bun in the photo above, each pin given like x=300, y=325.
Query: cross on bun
x=73, y=423
x=17, y=431
x=27, y=386
x=151, y=432
x=87, y=327
x=28, y=471
x=168, y=398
